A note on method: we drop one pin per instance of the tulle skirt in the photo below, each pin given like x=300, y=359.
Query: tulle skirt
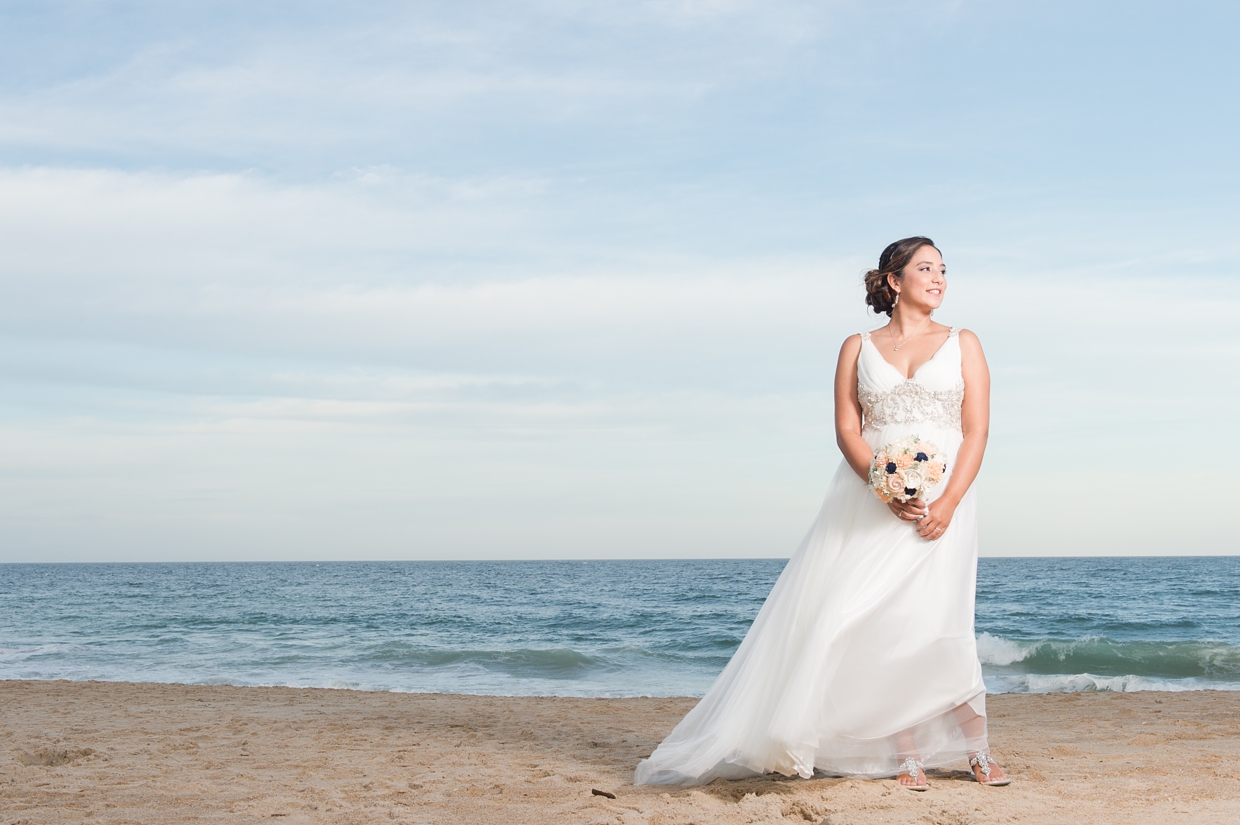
x=863, y=654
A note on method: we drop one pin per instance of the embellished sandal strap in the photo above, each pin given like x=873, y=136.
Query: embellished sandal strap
x=983, y=760
x=912, y=767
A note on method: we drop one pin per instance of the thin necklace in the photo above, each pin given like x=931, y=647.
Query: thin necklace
x=896, y=347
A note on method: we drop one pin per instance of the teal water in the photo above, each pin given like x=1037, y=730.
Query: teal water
x=598, y=628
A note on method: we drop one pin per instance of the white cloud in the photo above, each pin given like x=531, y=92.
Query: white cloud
x=567, y=279
x=391, y=74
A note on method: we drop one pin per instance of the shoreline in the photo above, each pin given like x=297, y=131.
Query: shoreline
x=1083, y=678
x=153, y=752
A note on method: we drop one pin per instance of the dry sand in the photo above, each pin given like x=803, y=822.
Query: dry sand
x=114, y=752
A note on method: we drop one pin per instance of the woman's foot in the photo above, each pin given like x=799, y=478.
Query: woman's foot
x=987, y=771
x=911, y=775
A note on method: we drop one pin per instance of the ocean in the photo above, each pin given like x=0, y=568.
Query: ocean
x=580, y=628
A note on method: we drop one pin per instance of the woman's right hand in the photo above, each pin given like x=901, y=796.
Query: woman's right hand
x=910, y=510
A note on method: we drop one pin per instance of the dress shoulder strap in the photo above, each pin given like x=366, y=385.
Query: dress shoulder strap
x=953, y=332
x=865, y=336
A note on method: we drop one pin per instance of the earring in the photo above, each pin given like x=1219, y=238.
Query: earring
x=896, y=301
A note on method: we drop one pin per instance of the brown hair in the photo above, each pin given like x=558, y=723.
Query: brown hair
x=878, y=291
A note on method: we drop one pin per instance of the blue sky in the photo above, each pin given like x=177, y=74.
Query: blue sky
x=567, y=280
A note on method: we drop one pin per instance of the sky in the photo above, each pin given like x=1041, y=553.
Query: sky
x=490, y=280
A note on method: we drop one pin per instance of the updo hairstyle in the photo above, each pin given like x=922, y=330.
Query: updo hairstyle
x=878, y=292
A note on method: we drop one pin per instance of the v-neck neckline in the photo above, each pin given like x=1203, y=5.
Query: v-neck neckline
x=951, y=333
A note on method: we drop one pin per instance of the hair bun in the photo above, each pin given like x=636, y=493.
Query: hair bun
x=878, y=293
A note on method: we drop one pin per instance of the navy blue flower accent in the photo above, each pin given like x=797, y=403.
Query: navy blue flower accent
x=921, y=457
x=891, y=466
x=909, y=491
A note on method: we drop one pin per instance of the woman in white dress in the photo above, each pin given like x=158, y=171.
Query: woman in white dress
x=863, y=660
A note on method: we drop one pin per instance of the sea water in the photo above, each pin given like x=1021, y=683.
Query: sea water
x=585, y=628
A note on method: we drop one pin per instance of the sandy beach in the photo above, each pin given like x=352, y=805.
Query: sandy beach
x=153, y=753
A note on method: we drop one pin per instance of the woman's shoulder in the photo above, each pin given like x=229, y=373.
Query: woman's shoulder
x=850, y=350
x=968, y=338
x=971, y=354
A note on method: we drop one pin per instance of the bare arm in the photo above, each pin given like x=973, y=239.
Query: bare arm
x=848, y=410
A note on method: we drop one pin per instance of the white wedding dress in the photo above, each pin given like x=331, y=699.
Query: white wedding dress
x=864, y=652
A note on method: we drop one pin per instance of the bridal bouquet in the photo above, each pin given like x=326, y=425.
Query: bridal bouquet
x=906, y=468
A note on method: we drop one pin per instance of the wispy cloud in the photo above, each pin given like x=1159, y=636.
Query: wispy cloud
x=569, y=278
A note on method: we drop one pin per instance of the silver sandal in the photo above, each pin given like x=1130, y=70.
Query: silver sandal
x=914, y=769
x=984, y=760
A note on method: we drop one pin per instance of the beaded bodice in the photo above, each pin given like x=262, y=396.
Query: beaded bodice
x=932, y=396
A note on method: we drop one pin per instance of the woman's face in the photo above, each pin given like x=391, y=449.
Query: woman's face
x=925, y=279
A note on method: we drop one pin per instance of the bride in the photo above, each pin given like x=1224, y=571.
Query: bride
x=863, y=661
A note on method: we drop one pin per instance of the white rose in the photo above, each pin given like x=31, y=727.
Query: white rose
x=914, y=479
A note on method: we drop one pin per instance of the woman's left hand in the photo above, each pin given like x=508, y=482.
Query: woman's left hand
x=934, y=524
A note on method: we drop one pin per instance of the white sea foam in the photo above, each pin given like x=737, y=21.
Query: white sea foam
x=13, y=655
x=996, y=650
x=1080, y=682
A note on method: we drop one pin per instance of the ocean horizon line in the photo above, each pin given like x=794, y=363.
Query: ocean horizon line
x=552, y=560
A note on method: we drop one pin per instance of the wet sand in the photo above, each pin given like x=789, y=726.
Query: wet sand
x=148, y=753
